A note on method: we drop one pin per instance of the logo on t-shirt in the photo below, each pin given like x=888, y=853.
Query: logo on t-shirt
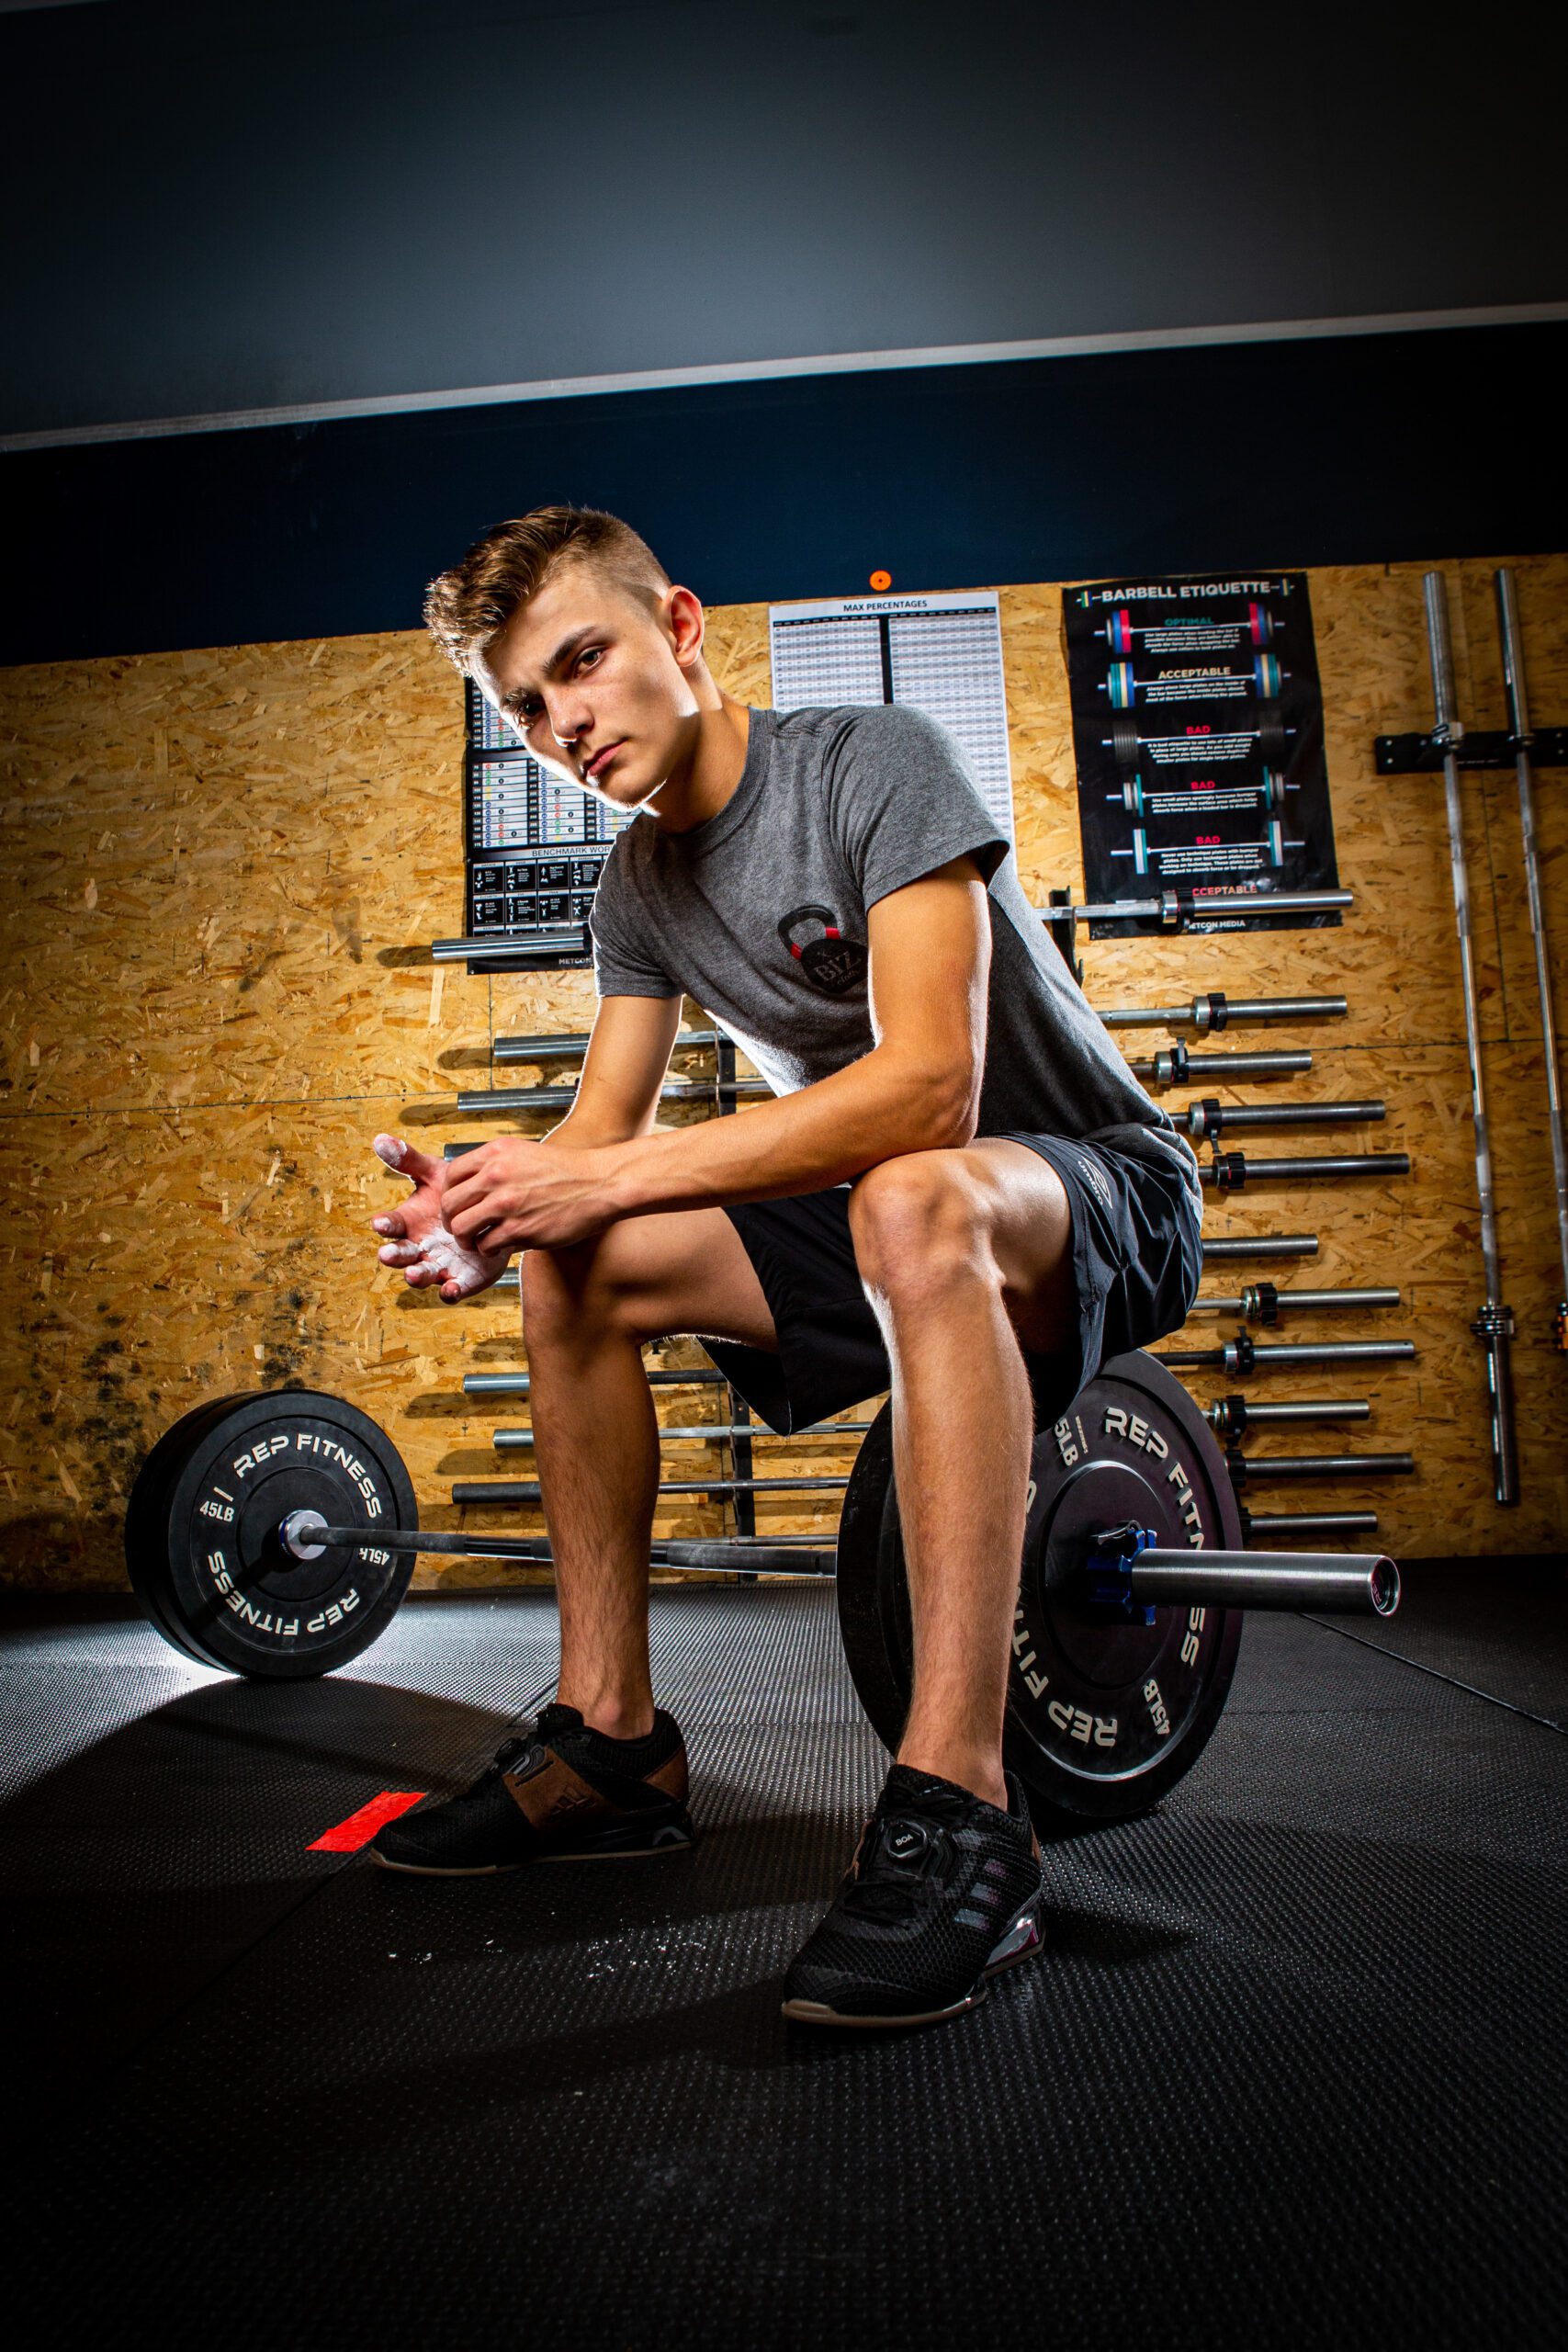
x=829, y=962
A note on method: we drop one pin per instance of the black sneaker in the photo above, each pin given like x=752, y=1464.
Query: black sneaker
x=560, y=1792
x=944, y=1891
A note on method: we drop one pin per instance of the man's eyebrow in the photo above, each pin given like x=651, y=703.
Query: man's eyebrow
x=553, y=667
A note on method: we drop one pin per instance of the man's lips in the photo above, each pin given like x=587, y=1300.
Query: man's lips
x=600, y=760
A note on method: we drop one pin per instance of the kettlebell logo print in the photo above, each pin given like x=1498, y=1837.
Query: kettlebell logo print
x=829, y=961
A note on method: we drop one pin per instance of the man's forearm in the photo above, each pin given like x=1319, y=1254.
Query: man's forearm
x=876, y=1108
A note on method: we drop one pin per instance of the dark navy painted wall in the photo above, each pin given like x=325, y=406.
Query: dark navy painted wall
x=257, y=203
x=1351, y=450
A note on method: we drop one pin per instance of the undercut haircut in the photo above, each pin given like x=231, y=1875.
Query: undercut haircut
x=467, y=608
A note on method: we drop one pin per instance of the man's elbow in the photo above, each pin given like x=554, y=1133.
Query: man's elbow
x=948, y=1109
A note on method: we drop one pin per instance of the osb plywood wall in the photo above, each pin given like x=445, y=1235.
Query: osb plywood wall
x=222, y=870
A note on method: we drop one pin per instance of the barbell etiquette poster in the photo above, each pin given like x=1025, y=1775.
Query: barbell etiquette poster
x=1198, y=741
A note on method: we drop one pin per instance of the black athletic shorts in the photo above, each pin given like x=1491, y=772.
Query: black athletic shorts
x=1136, y=1255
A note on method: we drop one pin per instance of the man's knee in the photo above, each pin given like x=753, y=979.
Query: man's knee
x=583, y=1294
x=921, y=1222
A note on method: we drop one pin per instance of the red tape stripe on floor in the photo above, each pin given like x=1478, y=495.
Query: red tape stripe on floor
x=361, y=1826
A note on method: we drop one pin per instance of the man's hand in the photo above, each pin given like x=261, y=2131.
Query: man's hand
x=518, y=1195
x=420, y=1238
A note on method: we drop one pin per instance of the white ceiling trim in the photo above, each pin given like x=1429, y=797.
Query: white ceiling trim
x=750, y=371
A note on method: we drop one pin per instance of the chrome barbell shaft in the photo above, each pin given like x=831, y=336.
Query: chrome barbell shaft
x=304, y=1534
x=706, y=1433
x=1363, y=1582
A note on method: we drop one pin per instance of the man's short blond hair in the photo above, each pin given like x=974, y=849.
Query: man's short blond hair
x=467, y=608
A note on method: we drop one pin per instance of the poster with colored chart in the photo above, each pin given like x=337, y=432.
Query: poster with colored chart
x=1198, y=738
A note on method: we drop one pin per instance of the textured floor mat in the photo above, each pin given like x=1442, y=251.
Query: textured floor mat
x=1501, y=1626
x=1285, y=2075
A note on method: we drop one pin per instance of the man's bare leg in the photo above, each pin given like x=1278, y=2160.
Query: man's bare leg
x=963, y=1252
x=587, y=1313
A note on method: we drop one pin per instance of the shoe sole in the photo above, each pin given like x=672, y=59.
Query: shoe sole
x=495, y=1870
x=1021, y=1942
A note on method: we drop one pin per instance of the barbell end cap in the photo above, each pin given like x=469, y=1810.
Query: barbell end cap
x=1384, y=1586
x=295, y=1532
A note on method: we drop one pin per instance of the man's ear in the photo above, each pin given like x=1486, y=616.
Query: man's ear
x=687, y=623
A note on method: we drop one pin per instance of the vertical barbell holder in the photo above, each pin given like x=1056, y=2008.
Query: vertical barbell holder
x=1520, y=728
x=1494, y=1326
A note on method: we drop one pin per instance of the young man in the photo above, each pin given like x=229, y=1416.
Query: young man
x=960, y=1193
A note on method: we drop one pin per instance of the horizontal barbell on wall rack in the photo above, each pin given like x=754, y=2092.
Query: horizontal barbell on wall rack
x=517, y=1384
x=1271, y=1469
x=1217, y=1247
x=1243, y=1353
x=1230, y=1416
x=561, y=1098
x=542, y=946
x=1210, y=1117
x=1261, y=1303
x=1231, y=1170
x=1215, y=1011
x=1177, y=1065
x=1179, y=909
x=1209, y=1013
x=569, y=1046
x=1307, y=1522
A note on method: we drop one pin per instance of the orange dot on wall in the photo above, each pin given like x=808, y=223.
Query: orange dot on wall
x=882, y=580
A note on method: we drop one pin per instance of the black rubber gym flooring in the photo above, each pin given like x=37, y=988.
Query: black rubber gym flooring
x=1292, y=2071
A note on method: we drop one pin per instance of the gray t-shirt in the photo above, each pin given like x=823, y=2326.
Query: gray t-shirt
x=759, y=914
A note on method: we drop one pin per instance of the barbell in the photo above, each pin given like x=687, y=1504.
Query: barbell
x=275, y=1535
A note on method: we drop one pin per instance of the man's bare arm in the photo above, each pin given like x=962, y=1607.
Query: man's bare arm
x=629, y=1054
x=918, y=1090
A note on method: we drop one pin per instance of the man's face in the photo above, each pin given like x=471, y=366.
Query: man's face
x=594, y=677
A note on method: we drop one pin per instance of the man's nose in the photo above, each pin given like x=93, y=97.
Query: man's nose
x=568, y=721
